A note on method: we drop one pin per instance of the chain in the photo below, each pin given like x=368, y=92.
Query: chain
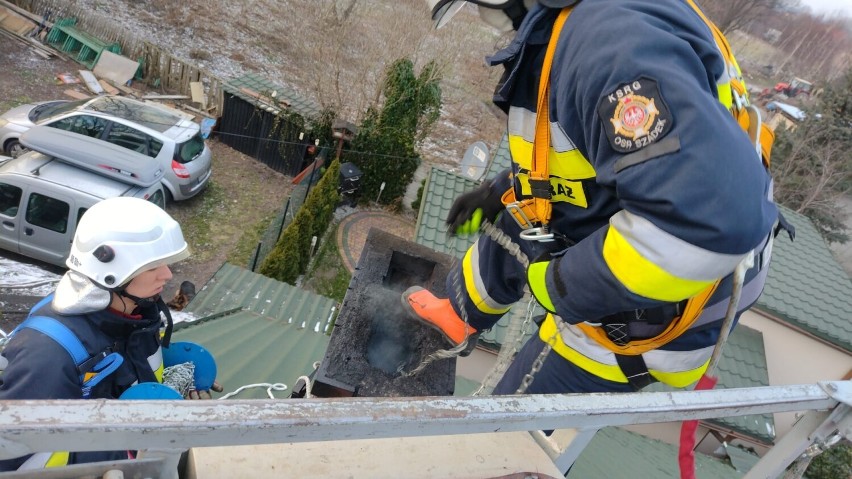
x=180, y=377
x=514, y=249
x=503, y=240
x=505, y=356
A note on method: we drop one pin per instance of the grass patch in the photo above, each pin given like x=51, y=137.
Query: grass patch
x=197, y=217
x=243, y=251
x=328, y=276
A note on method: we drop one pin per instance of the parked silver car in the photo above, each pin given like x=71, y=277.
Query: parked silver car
x=43, y=196
x=167, y=135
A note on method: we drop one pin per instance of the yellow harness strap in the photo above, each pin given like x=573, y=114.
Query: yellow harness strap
x=765, y=136
x=539, y=208
x=678, y=325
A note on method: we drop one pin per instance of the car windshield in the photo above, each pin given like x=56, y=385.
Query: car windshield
x=190, y=149
x=139, y=113
x=46, y=111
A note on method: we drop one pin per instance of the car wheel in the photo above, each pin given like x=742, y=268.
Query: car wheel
x=15, y=148
x=169, y=197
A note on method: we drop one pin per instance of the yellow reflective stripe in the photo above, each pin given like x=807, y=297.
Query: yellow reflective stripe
x=680, y=379
x=643, y=277
x=156, y=362
x=569, y=164
x=536, y=275
x=58, y=459
x=549, y=333
x=726, y=97
x=563, y=191
x=481, y=299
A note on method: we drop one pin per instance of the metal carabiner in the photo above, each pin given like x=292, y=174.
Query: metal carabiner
x=537, y=234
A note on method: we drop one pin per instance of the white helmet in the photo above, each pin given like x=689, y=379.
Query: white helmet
x=504, y=15
x=118, y=238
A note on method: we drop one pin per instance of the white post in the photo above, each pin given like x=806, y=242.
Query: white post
x=381, y=188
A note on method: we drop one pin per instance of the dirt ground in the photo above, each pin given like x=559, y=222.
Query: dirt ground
x=243, y=193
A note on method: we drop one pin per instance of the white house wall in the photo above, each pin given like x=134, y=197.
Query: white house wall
x=793, y=357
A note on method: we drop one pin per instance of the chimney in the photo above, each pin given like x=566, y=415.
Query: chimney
x=373, y=339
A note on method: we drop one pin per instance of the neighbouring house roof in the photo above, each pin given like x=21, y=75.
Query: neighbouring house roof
x=613, y=452
x=502, y=160
x=258, y=91
x=259, y=330
x=439, y=191
x=807, y=287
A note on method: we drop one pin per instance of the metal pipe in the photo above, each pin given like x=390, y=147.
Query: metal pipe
x=36, y=426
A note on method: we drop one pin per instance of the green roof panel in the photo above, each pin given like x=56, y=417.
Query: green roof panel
x=807, y=287
x=258, y=329
x=617, y=453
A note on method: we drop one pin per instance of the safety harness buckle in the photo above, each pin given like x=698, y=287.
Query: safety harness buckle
x=516, y=209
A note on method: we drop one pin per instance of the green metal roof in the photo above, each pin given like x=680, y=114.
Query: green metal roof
x=304, y=107
x=258, y=329
x=254, y=349
x=617, y=453
x=439, y=192
x=807, y=287
x=501, y=159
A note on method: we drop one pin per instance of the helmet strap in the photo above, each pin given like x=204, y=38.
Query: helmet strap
x=156, y=300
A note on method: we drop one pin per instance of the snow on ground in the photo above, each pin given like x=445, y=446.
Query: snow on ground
x=25, y=279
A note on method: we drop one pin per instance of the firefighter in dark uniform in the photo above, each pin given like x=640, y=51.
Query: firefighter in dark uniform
x=635, y=191
x=106, y=309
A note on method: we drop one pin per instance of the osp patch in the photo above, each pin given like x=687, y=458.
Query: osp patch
x=635, y=115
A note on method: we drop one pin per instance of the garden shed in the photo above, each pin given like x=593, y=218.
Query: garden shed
x=267, y=121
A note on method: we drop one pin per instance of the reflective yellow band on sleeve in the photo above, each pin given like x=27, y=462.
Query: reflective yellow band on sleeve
x=726, y=97
x=470, y=270
x=643, y=277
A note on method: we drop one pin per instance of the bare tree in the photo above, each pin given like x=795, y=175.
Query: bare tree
x=730, y=15
x=812, y=163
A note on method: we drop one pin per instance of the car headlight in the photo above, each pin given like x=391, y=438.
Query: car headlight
x=3, y=122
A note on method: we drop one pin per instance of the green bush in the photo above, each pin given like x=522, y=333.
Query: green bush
x=384, y=148
x=415, y=205
x=834, y=463
x=290, y=257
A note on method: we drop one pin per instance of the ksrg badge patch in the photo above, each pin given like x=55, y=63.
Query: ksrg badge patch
x=635, y=115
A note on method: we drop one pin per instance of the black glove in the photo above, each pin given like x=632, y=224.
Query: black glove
x=471, y=208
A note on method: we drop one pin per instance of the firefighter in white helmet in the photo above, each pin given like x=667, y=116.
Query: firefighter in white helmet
x=639, y=181
x=99, y=333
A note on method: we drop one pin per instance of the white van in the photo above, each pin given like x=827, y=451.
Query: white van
x=43, y=196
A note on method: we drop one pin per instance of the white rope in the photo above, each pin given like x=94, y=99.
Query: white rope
x=307, y=385
x=269, y=388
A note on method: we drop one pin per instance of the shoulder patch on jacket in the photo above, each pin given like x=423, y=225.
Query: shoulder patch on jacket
x=635, y=115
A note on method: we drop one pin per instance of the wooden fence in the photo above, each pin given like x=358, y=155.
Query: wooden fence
x=160, y=69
